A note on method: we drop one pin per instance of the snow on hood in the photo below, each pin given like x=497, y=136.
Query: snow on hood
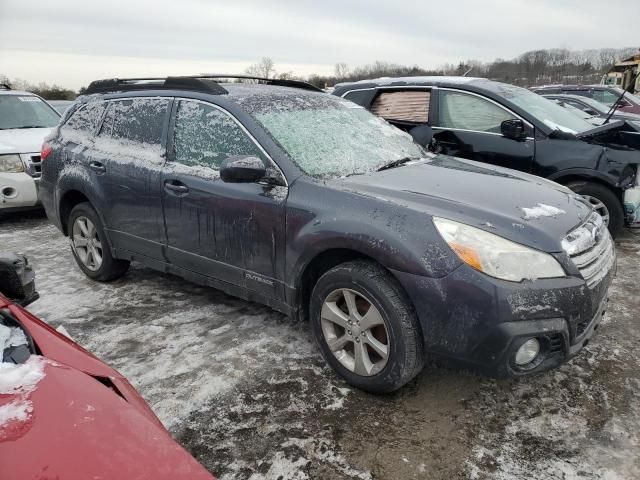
x=17, y=380
x=28, y=140
x=541, y=210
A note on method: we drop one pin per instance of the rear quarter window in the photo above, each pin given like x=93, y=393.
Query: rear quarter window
x=84, y=121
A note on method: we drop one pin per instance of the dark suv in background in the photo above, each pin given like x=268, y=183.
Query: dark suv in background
x=306, y=202
x=505, y=125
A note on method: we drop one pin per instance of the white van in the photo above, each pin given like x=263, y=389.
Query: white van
x=25, y=120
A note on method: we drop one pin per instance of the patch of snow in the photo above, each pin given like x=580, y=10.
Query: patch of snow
x=541, y=210
x=11, y=337
x=19, y=381
x=18, y=411
x=21, y=378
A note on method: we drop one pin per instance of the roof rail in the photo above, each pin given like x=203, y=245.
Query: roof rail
x=155, y=83
x=269, y=81
x=5, y=86
x=201, y=83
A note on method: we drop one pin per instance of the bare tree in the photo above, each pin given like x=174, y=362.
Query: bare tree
x=341, y=71
x=264, y=68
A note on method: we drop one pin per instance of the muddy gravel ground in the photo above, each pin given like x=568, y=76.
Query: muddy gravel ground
x=245, y=390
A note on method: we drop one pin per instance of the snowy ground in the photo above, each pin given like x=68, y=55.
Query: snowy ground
x=246, y=392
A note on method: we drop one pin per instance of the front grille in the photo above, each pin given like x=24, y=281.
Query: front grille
x=591, y=249
x=34, y=167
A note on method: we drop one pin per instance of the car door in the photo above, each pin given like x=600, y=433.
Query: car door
x=232, y=232
x=469, y=126
x=127, y=157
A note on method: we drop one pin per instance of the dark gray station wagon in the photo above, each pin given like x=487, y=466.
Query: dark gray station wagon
x=309, y=203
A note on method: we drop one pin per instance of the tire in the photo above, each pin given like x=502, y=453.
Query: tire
x=598, y=194
x=84, y=223
x=400, y=334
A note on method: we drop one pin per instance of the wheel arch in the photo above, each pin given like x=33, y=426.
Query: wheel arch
x=68, y=201
x=321, y=263
x=572, y=177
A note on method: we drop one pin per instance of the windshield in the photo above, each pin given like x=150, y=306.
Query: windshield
x=609, y=98
x=542, y=109
x=596, y=105
x=331, y=137
x=572, y=109
x=25, y=111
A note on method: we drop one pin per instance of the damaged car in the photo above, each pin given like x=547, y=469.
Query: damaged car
x=65, y=414
x=278, y=193
x=510, y=126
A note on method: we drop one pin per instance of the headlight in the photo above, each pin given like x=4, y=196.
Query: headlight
x=497, y=256
x=11, y=163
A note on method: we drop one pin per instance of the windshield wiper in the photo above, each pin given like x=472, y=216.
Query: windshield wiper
x=396, y=163
x=28, y=126
x=616, y=104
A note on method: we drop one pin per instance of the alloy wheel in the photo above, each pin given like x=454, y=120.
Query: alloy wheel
x=599, y=207
x=86, y=243
x=355, y=332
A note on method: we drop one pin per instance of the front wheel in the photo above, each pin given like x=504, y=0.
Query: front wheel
x=604, y=201
x=90, y=247
x=366, y=328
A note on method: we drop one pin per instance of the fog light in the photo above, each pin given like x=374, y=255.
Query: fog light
x=527, y=352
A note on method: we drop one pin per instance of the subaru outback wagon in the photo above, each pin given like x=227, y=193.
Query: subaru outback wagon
x=306, y=202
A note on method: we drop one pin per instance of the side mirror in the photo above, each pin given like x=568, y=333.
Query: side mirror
x=242, y=169
x=422, y=134
x=17, y=279
x=513, y=129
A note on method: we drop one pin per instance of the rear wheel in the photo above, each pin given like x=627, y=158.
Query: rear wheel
x=604, y=201
x=366, y=328
x=90, y=247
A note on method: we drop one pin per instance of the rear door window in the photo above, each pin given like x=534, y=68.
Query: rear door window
x=407, y=106
x=468, y=112
x=138, y=120
x=205, y=136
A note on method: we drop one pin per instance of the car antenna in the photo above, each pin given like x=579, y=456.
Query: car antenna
x=617, y=102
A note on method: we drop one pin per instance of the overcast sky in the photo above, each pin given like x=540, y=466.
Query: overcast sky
x=71, y=42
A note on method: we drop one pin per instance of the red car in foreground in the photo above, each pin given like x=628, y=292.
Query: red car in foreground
x=66, y=415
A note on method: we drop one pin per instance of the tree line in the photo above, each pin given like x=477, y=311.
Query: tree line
x=46, y=91
x=536, y=67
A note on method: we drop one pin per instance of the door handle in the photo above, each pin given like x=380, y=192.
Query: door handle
x=176, y=187
x=97, y=167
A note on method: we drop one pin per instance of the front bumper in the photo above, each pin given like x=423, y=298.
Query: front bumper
x=480, y=321
x=17, y=191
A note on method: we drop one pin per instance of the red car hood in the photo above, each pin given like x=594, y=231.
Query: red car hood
x=82, y=420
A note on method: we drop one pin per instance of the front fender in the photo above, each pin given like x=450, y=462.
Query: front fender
x=393, y=235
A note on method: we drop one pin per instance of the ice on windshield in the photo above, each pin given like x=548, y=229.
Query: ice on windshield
x=331, y=137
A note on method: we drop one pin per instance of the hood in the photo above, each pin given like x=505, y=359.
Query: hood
x=77, y=428
x=28, y=140
x=615, y=134
x=530, y=210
